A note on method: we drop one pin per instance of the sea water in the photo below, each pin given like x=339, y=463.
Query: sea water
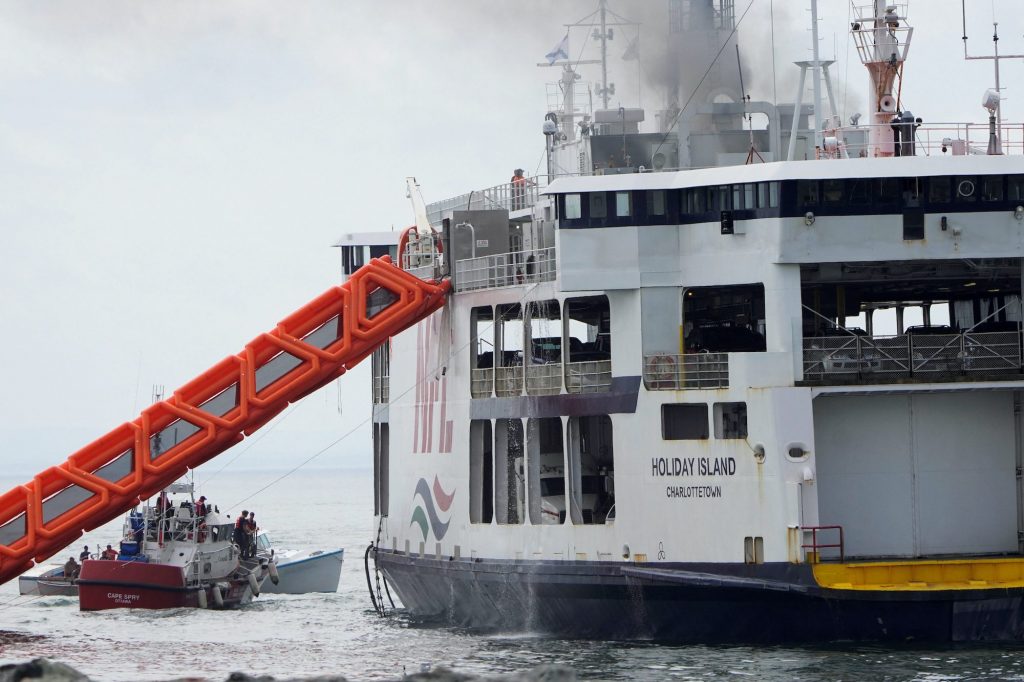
x=340, y=634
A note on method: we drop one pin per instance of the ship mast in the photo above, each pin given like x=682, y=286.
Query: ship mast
x=995, y=57
x=882, y=40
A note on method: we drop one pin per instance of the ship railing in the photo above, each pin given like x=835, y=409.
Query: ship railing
x=505, y=270
x=813, y=548
x=930, y=357
x=382, y=389
x=508, y=381
x=676, y=372
x=509, y=196
x=544, y=379
x=951, y=139
x=481, y=382
x=591, y=376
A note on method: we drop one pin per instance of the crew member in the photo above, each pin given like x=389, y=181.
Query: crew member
x=519, y=183
x=109, y=553
x=71, y=568
x=239, y=535
x=84, y=554
x=201, y=509
x=250, y=531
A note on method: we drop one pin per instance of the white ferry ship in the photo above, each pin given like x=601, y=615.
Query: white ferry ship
x=677, y=396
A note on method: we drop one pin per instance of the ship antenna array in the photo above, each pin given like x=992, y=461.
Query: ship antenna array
x=995, y=57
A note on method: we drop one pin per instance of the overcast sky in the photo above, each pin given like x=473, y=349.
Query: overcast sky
x=172, y=174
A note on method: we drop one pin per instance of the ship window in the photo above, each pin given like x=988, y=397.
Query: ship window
x=858, y=192
x=737, y=197
x=546, y=473
x=768, y=195
x=591, y=474
x=966, y=189
x=381, y=463
x=481, y=471
x=728, y=319
x=509, y=474
x=508, y=357
x=656, y=202
x=992, y=188
x=684, y=422
x=913, y=225
x=730, y=420
x=748, y=196
x=911, y=193
x=589, y=336
x=832, y=191
x=622, y=207
x=481, y=324
x=807, y=193
x=1015, y=188
x=573, y=207
x=940, y=190
x=888, y=193
x=696, y=200
x=723, y=198
x=598, y=205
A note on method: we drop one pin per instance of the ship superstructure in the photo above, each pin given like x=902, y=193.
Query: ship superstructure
x=776, y=400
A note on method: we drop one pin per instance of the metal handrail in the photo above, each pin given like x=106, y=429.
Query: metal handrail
x=505, y=269
x=815, y=546
x=676, y=372
x=913, y=355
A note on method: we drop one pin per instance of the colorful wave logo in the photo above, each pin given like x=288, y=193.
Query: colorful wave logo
x=426, y=513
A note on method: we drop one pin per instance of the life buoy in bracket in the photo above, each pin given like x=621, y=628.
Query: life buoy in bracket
x=662, y=370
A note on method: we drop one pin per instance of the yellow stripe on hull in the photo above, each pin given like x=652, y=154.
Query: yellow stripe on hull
x=922, y=575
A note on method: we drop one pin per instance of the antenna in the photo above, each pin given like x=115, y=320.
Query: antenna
x=752, y=153
x=995, y=57
x=158, y=392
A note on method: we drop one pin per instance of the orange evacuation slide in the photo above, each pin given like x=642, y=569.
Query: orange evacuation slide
x=311, y=347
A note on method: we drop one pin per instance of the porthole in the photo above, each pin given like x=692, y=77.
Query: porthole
x=965, y=188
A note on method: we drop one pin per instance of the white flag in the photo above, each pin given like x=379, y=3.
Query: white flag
x=561, y=51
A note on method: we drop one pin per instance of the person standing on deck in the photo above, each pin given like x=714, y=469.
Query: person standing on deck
x=240, y=531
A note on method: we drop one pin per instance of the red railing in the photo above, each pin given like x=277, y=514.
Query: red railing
x=816, y=546
x=308, y=349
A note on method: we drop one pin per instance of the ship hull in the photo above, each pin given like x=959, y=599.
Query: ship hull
x=129, y=584
x=690, y=603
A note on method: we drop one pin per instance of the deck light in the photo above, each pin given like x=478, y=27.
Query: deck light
x=1018, y=213
x=808, y=219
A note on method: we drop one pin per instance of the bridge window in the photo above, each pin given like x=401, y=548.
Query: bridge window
x=730, y=420
x=684, y=422
x=656, y=202
x=696, y=201
x=966, y=189
x=992, y=188
x=832, y=191
x=888, y=192
x=622, y=205
x=481, y=471
x=598, y=205
x=573, y=207
x=859, y=192
x=1015, y=188
x=591, y=470
x=768, y=195
x=807, y=194
x=940, y=190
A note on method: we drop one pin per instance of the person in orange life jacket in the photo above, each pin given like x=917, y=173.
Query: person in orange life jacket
x=109, y=553
x=250, y=532
x=519, y=184
x=239, y=536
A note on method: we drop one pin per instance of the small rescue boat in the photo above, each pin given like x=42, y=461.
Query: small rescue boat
x=171, y=557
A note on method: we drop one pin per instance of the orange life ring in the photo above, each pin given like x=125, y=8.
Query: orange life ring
x=662, y=370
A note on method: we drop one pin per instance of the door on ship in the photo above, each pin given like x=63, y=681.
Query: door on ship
x=920, y=474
